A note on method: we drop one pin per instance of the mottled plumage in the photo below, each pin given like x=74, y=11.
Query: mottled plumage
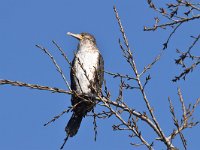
x=86, y=80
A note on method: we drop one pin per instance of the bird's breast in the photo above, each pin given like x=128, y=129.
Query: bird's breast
x=85, y=65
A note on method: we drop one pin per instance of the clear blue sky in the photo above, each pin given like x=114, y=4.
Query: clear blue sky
x=23, y=111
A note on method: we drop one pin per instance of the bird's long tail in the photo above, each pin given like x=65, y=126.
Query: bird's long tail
x=72, y=127
x=73, y=124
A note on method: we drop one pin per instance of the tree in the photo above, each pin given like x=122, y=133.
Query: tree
x=129, y=118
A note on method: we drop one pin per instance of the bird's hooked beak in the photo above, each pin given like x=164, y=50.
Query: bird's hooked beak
x=78, y=36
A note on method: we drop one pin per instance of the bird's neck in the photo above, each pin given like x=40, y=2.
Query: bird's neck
x=87, y=46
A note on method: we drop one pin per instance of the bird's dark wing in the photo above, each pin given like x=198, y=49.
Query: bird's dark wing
x=99, y=74
x=72, y=75
x=74, y=84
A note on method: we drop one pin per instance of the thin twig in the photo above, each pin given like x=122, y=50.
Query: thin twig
x=62, y=53
x=56, y=117
x=56, y=65
x=177, y=124
x=95, y=125
x=120, y=75
x=165, y=45
x=151, y=64
x=172, y=23
x=183, y=106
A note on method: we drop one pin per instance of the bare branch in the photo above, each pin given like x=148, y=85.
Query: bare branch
x=95, y=125
x=62, y=52
x=186, y=71
x=172, y=23
x=177, y=124
x=132, y=63
x=187, y=55
x=165, y=45
x=34, y=86
x=56, y=65
x=133, y=129
x=186, y=122
x=120, y=75
x=183, y=105
x=56, y=117
x=151, y=64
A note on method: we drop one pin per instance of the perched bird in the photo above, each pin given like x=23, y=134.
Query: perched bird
x=87, y=75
